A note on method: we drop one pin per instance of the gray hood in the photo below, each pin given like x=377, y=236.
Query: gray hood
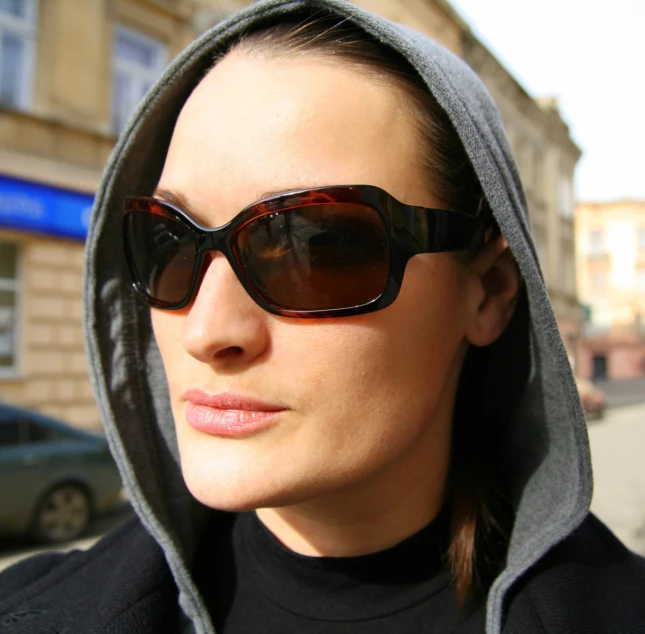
x=551, y=476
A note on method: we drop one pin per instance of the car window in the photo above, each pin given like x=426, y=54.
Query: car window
x=39, y=433
x=9, y=433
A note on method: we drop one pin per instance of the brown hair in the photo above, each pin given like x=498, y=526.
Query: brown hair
x=479, y=512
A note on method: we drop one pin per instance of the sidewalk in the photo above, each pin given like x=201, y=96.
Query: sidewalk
x=623, y=392
x=13, y=550
x=618, y=455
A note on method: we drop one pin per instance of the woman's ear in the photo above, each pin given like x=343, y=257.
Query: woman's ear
x=495, y=274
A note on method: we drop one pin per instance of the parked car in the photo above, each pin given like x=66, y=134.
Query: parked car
x=593, y=400
x=53, y=478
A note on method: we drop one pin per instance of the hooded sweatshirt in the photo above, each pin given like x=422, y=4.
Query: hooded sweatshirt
x=546, y=442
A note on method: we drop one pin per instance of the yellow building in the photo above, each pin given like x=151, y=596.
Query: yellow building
x=72, y=72
x=611, y=283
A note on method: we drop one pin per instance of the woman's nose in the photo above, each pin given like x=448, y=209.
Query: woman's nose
x=224, y=325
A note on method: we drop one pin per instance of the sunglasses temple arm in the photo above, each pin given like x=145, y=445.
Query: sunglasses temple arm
x=422, y=230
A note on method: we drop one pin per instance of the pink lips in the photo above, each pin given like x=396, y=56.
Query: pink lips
x=228, y=414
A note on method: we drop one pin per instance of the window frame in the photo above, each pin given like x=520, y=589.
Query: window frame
x=15, y=286
x=138, y=74
x=26, y=29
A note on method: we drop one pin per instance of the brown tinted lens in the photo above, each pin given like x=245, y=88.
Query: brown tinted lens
x=318, y=257
x=162, y=252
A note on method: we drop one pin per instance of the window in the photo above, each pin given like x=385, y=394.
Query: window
x=18, y=428
x=540, y=247
x=640, y=280
x=595, y=242
x=9, y=433
x=17, y=37
x=8, y=308
x=538, y=172
x=525, y=159
x=568, y=270
x=598, y=281
x=137, y=61
x=565, y=197
x=38, y=433
x=641, y=239
x=599, y=365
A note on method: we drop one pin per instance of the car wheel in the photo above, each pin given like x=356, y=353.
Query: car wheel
x=63, y=514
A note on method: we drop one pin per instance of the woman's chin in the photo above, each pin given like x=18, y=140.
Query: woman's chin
x=247, y=498
x=237, y=492
x=246, y=474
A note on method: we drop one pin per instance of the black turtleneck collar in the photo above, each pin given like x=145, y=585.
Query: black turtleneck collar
x=344, y=588
x=250, y=580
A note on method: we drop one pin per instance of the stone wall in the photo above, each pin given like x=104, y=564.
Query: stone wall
x=64, y=138
x=52, y=368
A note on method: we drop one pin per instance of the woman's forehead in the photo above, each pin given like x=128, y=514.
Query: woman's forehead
x=255, y=125
x=289, y=102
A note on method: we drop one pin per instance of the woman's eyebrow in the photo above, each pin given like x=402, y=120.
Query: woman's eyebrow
x=179, y=200
x=278, y=192
x=268, y=194
x=174, y=198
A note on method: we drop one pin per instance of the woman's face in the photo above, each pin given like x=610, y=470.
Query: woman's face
x=363, y=401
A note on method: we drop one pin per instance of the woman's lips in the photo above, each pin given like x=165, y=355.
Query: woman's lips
x=228, y=414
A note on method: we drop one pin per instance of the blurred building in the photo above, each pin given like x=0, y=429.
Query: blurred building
x=611, y=284
x=70, y=75
x=546, y=157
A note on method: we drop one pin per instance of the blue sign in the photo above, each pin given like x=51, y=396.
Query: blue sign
x=43, y=209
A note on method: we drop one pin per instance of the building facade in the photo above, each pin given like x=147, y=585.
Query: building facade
x=72, y=74
x=546, y=158
x=611, y=284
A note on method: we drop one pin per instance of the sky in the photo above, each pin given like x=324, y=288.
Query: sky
x=591, y=55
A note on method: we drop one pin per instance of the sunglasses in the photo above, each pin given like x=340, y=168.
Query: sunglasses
x=326, y=252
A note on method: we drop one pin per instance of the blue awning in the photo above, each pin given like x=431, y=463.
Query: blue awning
x=39, y=208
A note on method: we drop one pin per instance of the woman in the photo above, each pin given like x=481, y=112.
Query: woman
x=342, y=405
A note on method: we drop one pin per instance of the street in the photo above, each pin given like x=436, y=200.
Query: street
x=13, y=550
x=618, y=453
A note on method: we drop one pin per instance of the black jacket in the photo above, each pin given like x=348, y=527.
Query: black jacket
x=588, y=584
x=121, y=585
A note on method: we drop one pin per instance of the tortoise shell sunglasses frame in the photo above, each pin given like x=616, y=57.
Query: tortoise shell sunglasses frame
x=409, y=230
